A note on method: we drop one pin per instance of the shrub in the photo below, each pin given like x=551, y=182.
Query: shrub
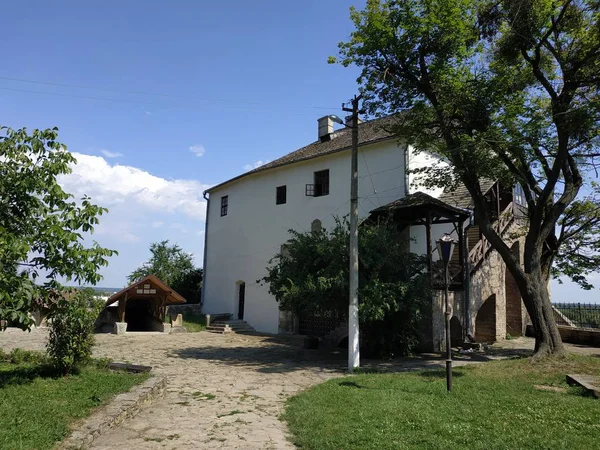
x=20, y=356
x=71, y=330
x=310, y=277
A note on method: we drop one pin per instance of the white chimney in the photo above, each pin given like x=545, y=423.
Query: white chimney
x=325, y=128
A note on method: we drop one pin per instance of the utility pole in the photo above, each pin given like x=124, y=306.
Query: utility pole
x=353, y=333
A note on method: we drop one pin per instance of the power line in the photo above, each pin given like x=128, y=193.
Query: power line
x=223, y=108
x=159, y=94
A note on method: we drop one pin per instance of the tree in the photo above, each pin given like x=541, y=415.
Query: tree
x=71, y=336
x=506, y=90
x=310, y=277
x=41, y=227
x=174, y=267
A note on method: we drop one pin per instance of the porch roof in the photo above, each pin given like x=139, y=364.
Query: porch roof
x=147, y=288
x=415, y=207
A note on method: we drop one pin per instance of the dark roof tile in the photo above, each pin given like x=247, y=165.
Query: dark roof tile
x=369, y=132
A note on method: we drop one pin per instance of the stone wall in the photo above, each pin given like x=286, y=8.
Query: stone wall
x=581, y=336
x=192, y=308
x=438, y=318
x=495, y=306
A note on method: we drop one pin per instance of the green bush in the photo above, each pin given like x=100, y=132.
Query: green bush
x=20, y=356
x=310, y=277
x=72, y=330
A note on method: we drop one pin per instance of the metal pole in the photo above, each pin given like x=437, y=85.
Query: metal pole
x=448, y=341
x=353, y=332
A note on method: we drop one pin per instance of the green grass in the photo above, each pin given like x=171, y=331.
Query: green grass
x=194, y=323
x=37, y=407
x=493, y=406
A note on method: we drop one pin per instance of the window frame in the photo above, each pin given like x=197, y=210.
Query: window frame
x=321, y=183
x=224, y=205
x=281, y=195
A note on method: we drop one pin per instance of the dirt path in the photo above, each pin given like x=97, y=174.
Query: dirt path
x=227, y=391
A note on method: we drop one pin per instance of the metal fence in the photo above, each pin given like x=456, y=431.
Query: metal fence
x=580, y=315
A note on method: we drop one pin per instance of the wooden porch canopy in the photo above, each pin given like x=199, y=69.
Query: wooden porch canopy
x=423, y=209
x=147, y=288
x=416, y=208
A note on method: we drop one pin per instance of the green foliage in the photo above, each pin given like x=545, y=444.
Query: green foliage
x=72, y=330
x=492, y=406
x=174, y=267
x=310, y=277
x=20, y=356
x=41, y=226
x=503, y=90
x=194, y=323
x=38, y=409
x=579, y=254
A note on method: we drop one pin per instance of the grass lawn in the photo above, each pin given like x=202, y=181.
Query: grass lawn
x=36, y=408
x=493, y=406
x=193, y=323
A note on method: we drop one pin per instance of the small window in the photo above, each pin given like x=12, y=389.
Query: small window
x=309, y=190
x=321, y=183
x=281, y=197
x=519, y=195
x=316, y=226
x=224, y=205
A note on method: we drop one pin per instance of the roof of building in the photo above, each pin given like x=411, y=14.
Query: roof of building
x=460, y=196
x=369, y=132
x=417, y=205
x=133, y=289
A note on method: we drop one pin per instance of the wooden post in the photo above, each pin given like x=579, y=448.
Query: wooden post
x=429, y=245
x=124, y=306
x=498, y=198
x=461, y=247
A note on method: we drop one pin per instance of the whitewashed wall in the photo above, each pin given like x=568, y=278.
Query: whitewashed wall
x=240, y=244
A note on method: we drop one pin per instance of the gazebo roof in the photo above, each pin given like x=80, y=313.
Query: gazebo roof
x=147, y=287
x=414, y=207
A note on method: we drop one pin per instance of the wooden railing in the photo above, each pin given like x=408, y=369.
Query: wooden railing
x=478, y=253
x=454, y=274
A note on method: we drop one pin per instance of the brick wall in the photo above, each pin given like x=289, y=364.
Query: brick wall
x=485, y=322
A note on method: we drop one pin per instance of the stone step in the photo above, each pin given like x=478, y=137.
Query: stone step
x=236, y=326
x=178, y=330
x=219, y=329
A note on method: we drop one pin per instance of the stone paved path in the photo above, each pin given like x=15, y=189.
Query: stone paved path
x=225, y=391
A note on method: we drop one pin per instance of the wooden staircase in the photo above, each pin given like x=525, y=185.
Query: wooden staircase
x=230, y=326
x=481, y=247
x=478, y=248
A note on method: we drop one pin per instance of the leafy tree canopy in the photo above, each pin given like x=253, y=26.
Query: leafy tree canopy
x=310, y=276
x=42, y=227
x=505, y=90
x=174, y=267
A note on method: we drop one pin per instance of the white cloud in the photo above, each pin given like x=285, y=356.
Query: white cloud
x=157, y=224
x=179, y=227
x=256, y=164
x=110, y=154
x=197, y=150
x=112, y=185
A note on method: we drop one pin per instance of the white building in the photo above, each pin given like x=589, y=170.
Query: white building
x=248, y=217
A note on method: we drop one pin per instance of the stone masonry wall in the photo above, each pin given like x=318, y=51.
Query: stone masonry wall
x=193, y=308
x=488, y=282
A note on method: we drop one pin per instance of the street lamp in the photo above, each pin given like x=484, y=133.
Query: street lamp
x=445, y=247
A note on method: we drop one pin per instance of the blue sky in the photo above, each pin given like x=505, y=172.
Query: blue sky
x=234, y=83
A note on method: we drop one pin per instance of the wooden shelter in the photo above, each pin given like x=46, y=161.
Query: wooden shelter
x=143, y=304
x=422, y=209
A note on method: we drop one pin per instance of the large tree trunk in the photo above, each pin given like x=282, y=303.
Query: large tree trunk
x=536, y=298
